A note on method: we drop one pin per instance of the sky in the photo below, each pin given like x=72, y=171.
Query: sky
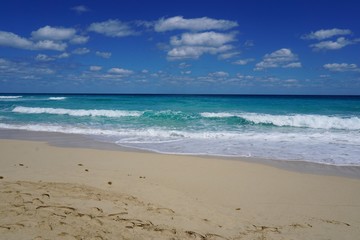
x=180, y=47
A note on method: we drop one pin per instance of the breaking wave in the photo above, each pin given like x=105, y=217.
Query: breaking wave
x=10, y=97
x=297, y=120
x=77, y=112
x=57, y=98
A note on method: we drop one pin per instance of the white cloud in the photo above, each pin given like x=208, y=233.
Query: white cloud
x=53, y=33
x=342, y=67
x=185, y=72
x=291, y=80
x=44, y=58
x=194, y=52
x=63, y=55
x=243, y=61
x=333, y=45
x=95, y=68
x=293, y=65
x=229, y=55
x=280, y=58
x=193, y=24
x=193, y=45
x=120, y=71
x=112, y=28
x=103, y=54
x=205, y=38
x=81, y=51
x=79, y=39
x=80, y=9
x=326, y=33
x=219, y=74
x=9, y=39
x=249, y=43
x=184, y=65
x=50, y=45
x=246, y=77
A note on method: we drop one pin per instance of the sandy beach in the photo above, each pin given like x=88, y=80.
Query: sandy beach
x=50, y=192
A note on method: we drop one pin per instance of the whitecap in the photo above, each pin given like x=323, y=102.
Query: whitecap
x=10, y=97
x=77, y=112
x=57, y=98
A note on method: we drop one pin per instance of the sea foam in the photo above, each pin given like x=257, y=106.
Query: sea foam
x=10, y=97
x=57, y=98
x=296, y=120
x=77, y=112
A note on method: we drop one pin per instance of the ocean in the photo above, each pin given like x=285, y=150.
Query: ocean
x=320, y=129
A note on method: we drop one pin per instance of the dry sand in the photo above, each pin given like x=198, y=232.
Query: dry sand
x=49, y=192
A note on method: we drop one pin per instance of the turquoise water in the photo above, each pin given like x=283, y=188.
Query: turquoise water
x=316, y=129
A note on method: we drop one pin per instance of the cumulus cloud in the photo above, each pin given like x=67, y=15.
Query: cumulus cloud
x=63, y=55
x=342, y=67
x=8, y=39
x=45, y=38
x=213, y=39
x=244, y=77
x=243, y=61
x=112, y=28
x=80, y=9
x=81, y=51
x=95, y=68
x=44, y=58
x=120, y=71
x=200, y=37
x=194, y=52
x=59, y=34
x=219, y=74
x=24, y=69
x=193, y=45
x=103, y=54
x=280, y=58
x=79, y=39
x=330, y=44
x=193, y=24
x=326, y=33
x=50, y=45
x=333, y=45
x=53, y=33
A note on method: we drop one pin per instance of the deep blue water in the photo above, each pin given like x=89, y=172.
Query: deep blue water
x=323, y=129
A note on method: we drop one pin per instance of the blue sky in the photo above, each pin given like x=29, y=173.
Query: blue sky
x=227, y=47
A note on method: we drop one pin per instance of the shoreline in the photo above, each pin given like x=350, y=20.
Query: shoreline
x=53, y=191
x=82, y=141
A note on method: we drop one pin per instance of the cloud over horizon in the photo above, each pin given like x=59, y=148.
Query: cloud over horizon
x=284, y=58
